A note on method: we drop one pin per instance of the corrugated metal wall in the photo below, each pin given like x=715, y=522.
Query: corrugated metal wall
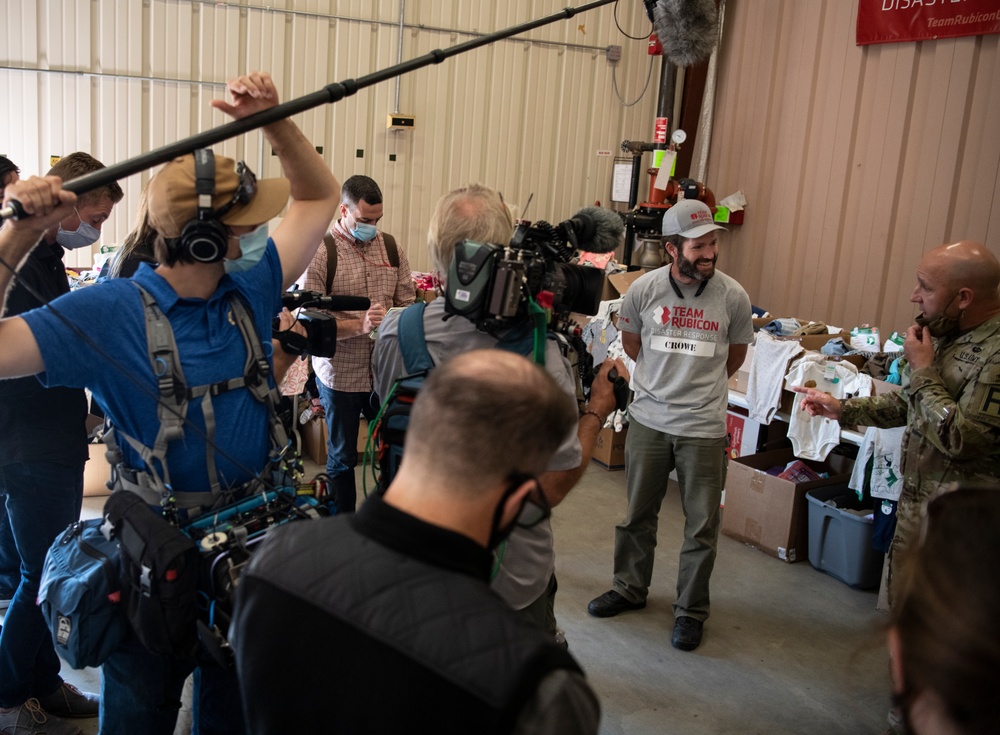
x=855, y=160
x=121, y=77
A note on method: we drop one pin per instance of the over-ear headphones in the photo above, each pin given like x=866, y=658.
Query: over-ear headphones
x=204, y=239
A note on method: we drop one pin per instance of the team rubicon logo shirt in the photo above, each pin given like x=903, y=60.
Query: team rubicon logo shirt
x=683, y=329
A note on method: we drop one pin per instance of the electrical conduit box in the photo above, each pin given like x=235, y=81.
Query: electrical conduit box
x=395, y=121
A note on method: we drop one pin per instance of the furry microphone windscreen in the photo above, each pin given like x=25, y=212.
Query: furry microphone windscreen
x=688, y=29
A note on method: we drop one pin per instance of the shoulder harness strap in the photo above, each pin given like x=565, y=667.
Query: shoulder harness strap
x=173, y=402
x=331, y=260
x=391, y=249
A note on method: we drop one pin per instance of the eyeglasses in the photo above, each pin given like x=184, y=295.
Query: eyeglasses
x=245, y=191
x=536, y=506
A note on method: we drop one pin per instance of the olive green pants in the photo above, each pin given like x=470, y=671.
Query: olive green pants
x=650, y=456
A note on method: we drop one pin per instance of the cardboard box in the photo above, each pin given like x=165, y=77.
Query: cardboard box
x=97, y=472
x=422, y=295
x=616, y=285
x=314, y=437
x=771, y=514
x=609, y=449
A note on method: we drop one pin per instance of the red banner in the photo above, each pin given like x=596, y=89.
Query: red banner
x=896, y=21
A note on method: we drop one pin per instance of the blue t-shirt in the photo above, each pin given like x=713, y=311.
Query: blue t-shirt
x=211, y=350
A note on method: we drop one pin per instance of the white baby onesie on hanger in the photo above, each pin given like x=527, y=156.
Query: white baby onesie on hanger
x=767, y=374
x=814, y=436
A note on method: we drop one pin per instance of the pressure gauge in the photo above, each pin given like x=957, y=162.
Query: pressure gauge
x=678, y=136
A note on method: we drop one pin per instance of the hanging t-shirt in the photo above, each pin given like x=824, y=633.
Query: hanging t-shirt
x=680, y=374
x=884, y=448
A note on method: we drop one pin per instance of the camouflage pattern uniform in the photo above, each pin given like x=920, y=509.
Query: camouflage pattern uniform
x=951, y=411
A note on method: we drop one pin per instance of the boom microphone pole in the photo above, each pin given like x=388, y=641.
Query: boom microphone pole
x=328, y=95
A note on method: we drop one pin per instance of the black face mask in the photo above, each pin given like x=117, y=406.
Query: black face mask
x=941, y=325
x=534, y=510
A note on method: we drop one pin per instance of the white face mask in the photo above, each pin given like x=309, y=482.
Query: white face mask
x=82, y=237
x=252, y=248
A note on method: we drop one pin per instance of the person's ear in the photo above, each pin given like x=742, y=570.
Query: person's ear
x=895, y=646
x=515, y=502
x=965, y=296
x=671, y=249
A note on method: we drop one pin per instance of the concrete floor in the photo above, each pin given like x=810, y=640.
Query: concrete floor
x=788, y=650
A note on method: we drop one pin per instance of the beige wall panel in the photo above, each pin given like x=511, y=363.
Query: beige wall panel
x=827, y=165
x=522, y=115
x=979, y=180
x=882, y=154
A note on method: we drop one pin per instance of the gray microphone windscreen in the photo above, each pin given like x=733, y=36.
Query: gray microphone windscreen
x=597, y=230
x=688, y=29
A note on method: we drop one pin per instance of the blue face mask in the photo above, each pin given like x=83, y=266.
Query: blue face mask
x=252, y=247
x=363, y=232
x=82, y=237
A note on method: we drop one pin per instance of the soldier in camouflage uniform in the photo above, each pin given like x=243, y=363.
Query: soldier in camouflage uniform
x=950, y=397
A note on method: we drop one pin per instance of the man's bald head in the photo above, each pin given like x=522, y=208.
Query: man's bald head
x=963, y=275
x=967, y=264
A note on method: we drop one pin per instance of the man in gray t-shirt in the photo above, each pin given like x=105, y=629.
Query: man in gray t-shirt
x=525, y=577
x=687, y=326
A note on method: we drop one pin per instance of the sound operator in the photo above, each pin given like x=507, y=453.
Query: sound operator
x=213, y=250
x=526, y=576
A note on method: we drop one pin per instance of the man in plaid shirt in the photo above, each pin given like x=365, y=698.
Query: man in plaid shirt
x=357, y=260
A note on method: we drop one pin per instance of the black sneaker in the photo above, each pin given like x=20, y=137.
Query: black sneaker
x=610, y=604
x=687, y=633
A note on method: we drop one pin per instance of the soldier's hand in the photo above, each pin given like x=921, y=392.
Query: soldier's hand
x=817, y=403
x=918, y=349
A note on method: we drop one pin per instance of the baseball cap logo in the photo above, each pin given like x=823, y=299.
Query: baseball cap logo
x=700, y=217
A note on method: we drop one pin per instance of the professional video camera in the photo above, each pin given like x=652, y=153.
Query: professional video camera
x=320, y=339
x=492, y=285
x=499, y=287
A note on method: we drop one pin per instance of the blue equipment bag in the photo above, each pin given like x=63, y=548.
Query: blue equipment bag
x=80, y=594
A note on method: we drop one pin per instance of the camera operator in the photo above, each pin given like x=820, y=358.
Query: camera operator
x=141, y=691
x=526, y=576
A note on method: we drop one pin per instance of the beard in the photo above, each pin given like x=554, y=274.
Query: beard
x=693, y=268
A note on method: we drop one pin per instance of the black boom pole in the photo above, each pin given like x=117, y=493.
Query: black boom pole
x=328, y=95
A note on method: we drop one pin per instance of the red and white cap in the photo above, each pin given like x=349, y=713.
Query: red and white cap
x=689, y=218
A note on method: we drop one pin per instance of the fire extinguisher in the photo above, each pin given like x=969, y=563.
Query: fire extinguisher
x=655, y=47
